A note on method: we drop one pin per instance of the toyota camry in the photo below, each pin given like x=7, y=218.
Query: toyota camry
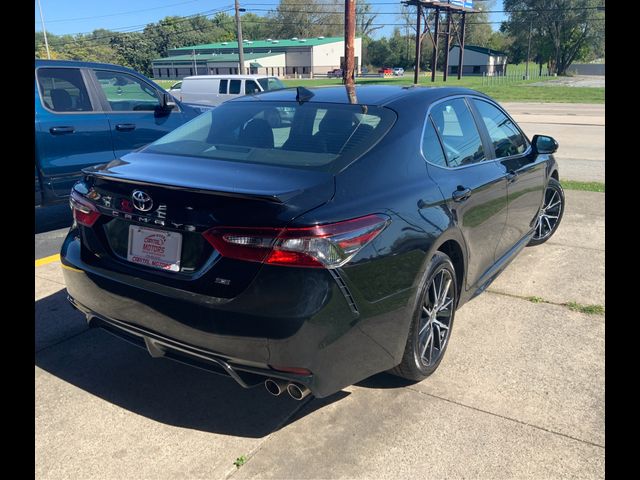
x=310, y=256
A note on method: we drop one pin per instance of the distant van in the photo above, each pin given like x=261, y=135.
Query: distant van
x=215, y=89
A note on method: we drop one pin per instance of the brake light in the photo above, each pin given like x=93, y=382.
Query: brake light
x=320, y=246
x=84, y=212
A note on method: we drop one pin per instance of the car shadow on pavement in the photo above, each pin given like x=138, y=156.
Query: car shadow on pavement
x=159, y=389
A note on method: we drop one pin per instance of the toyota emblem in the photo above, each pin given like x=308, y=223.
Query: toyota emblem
x=142, y=200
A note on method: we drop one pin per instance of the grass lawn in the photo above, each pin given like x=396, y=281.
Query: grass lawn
x=584, y=186
x=520, y=91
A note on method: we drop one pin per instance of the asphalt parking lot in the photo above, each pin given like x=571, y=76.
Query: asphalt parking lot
x=520, y=393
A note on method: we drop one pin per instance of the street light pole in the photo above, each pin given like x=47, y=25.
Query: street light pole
x=44, y=30
x=240, y=45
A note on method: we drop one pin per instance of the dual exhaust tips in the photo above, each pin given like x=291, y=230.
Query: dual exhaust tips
x=276, y=386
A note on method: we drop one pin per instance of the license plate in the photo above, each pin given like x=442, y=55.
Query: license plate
x=154, y=248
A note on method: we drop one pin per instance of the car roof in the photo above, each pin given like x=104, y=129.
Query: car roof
x=365, y=94
x=78, y=64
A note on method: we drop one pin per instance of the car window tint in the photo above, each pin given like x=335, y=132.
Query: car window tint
x=431, y=147
x=459, y=133
x=507, y=139
x=63, y=90
x=309, y=135
x=251, y=87
x=223, y=86
x=234, y=87
x=126, y=93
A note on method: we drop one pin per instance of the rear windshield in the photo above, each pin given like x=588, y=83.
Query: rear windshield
x=315, y=136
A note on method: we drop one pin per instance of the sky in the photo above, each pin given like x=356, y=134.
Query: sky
x=84, y=16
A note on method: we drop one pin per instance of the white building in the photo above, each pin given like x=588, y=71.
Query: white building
x=477, y=61
x=304, y=57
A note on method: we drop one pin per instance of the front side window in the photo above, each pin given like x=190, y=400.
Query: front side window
x=271, y=83
x=251, y=87
x=234, y=87
x=63, y=90
x=507, y=139
x=458, y=131
x=126, y=93
x=313, y=136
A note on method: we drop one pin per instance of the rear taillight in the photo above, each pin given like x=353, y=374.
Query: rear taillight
x=320, y=246
x=84, y=212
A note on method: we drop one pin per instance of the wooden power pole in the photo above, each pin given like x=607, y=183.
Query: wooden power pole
x=240, y=44
x=349, y=39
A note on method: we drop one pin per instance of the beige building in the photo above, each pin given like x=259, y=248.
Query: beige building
x=294, y=57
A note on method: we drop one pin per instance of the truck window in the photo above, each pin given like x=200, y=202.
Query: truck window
x=223, y=86
x=251, y=87
x=126, y=93
x=63, y=90
x=234, y=87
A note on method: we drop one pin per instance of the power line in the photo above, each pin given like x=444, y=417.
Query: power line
x=62, y=20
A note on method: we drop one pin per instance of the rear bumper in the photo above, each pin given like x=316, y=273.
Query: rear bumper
x=311, y=324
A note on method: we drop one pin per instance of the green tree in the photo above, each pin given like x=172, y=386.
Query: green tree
x=561, y=30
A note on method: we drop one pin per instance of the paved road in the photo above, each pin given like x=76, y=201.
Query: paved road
x=520, y=393
x=578, y=128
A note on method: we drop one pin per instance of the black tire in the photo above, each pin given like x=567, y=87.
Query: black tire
x=553, y=211
x=414, y=366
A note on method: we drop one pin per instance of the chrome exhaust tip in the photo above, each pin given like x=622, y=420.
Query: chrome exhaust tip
x=297, y=391
x=274, y=386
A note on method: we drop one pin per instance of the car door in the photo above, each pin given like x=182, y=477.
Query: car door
x=133, y=109
x=472, y=185
x=524, y=171
x=71, y=131
x=251, y=87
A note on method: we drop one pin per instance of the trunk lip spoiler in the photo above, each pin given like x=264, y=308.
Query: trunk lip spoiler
x=276, y=198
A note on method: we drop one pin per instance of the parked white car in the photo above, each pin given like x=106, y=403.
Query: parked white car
x=212, y=90
x=398, y=72
x=175, y=89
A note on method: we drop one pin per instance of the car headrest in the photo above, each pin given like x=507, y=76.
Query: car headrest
x=257, y=133
x=61, y=100
x=336, y=121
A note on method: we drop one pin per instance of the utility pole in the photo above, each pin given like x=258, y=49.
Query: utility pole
x=44, y=30
x=526, y=71
x=349, y=40
x=416, y=67
x=240, y=44
x=195, y=66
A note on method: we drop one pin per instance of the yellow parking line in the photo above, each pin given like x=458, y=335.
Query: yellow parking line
x=45, y=260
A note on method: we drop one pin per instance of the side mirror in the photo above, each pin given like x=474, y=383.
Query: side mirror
x=544, y=144
x=168, y=102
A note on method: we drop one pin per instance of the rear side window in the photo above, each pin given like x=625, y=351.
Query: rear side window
x=234, y=87
x=223, y=86
x=431, y=147
x=458, y=131
x=316, y=136
x=126, y=93
x=507, y=139
x=63, y=90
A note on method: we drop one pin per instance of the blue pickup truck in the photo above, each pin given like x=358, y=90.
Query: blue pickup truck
x=91, y=113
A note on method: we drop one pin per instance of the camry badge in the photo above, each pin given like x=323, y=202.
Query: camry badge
x=142, y=200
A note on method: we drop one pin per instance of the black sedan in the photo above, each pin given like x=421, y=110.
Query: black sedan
x=310, y=256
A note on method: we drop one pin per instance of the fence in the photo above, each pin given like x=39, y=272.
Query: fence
x=514, y=75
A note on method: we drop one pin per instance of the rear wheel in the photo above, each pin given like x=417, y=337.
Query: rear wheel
x=550, y=214
x=432, y=321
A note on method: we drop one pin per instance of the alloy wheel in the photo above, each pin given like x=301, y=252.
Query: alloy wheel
x=549, y=214
x=435, y=319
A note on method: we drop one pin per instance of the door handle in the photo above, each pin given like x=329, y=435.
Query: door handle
x=511, y=176
x=125, y=127
x=461, y=194
x=61, y=130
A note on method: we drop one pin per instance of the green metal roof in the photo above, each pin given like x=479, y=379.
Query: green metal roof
x=255, y=65
x=486, y=51
x=211, y=58
x=301, y=42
